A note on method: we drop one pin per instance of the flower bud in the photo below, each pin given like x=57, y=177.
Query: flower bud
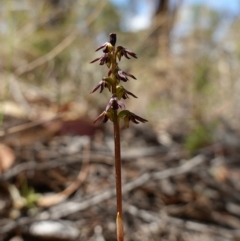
x=112, y=38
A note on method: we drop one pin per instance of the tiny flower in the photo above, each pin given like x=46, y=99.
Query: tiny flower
x=123, y=93
x=122, y=75
x=107, y=47
x=105, y=59
x=121, y=51
x=115, y=104
x=129, y=116
x=134, y=118
x=104, y=117
x=126, y=93
x=104, y=83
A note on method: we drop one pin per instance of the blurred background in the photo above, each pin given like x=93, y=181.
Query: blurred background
x=188, y=56
x=188, y=88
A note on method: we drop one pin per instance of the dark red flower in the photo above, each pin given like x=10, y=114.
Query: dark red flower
x=121, y=51
x=105, y=59
x=115, y=104
x=129, y=116
x=102, y=84
x=103, y=117
x=135, y=118
x=107, y=47
x=126, y=93
x=122, y=75
x=123, y=93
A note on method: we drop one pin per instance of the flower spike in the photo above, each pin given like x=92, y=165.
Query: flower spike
x=111, y=56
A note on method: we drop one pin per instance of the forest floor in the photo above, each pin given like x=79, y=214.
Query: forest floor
x=57, y=182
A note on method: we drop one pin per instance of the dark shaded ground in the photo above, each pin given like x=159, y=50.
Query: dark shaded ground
x=61, y=186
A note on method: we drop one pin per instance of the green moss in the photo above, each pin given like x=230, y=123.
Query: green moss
x=29, y=195
x=202, y=75
x=200, y=136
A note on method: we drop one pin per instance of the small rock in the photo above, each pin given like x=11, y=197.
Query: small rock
x=16, y=238
x=58, y=230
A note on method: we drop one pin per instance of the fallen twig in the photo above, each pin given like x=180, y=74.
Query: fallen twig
x=47, y=201
x=163, y=219
x=68, y=208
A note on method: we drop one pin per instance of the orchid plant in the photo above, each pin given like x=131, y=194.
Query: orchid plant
x=112, y=55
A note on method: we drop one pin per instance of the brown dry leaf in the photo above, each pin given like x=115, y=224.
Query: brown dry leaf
x=79, y=127
x=28, y=133
x=12, y=109
x=7, y=158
